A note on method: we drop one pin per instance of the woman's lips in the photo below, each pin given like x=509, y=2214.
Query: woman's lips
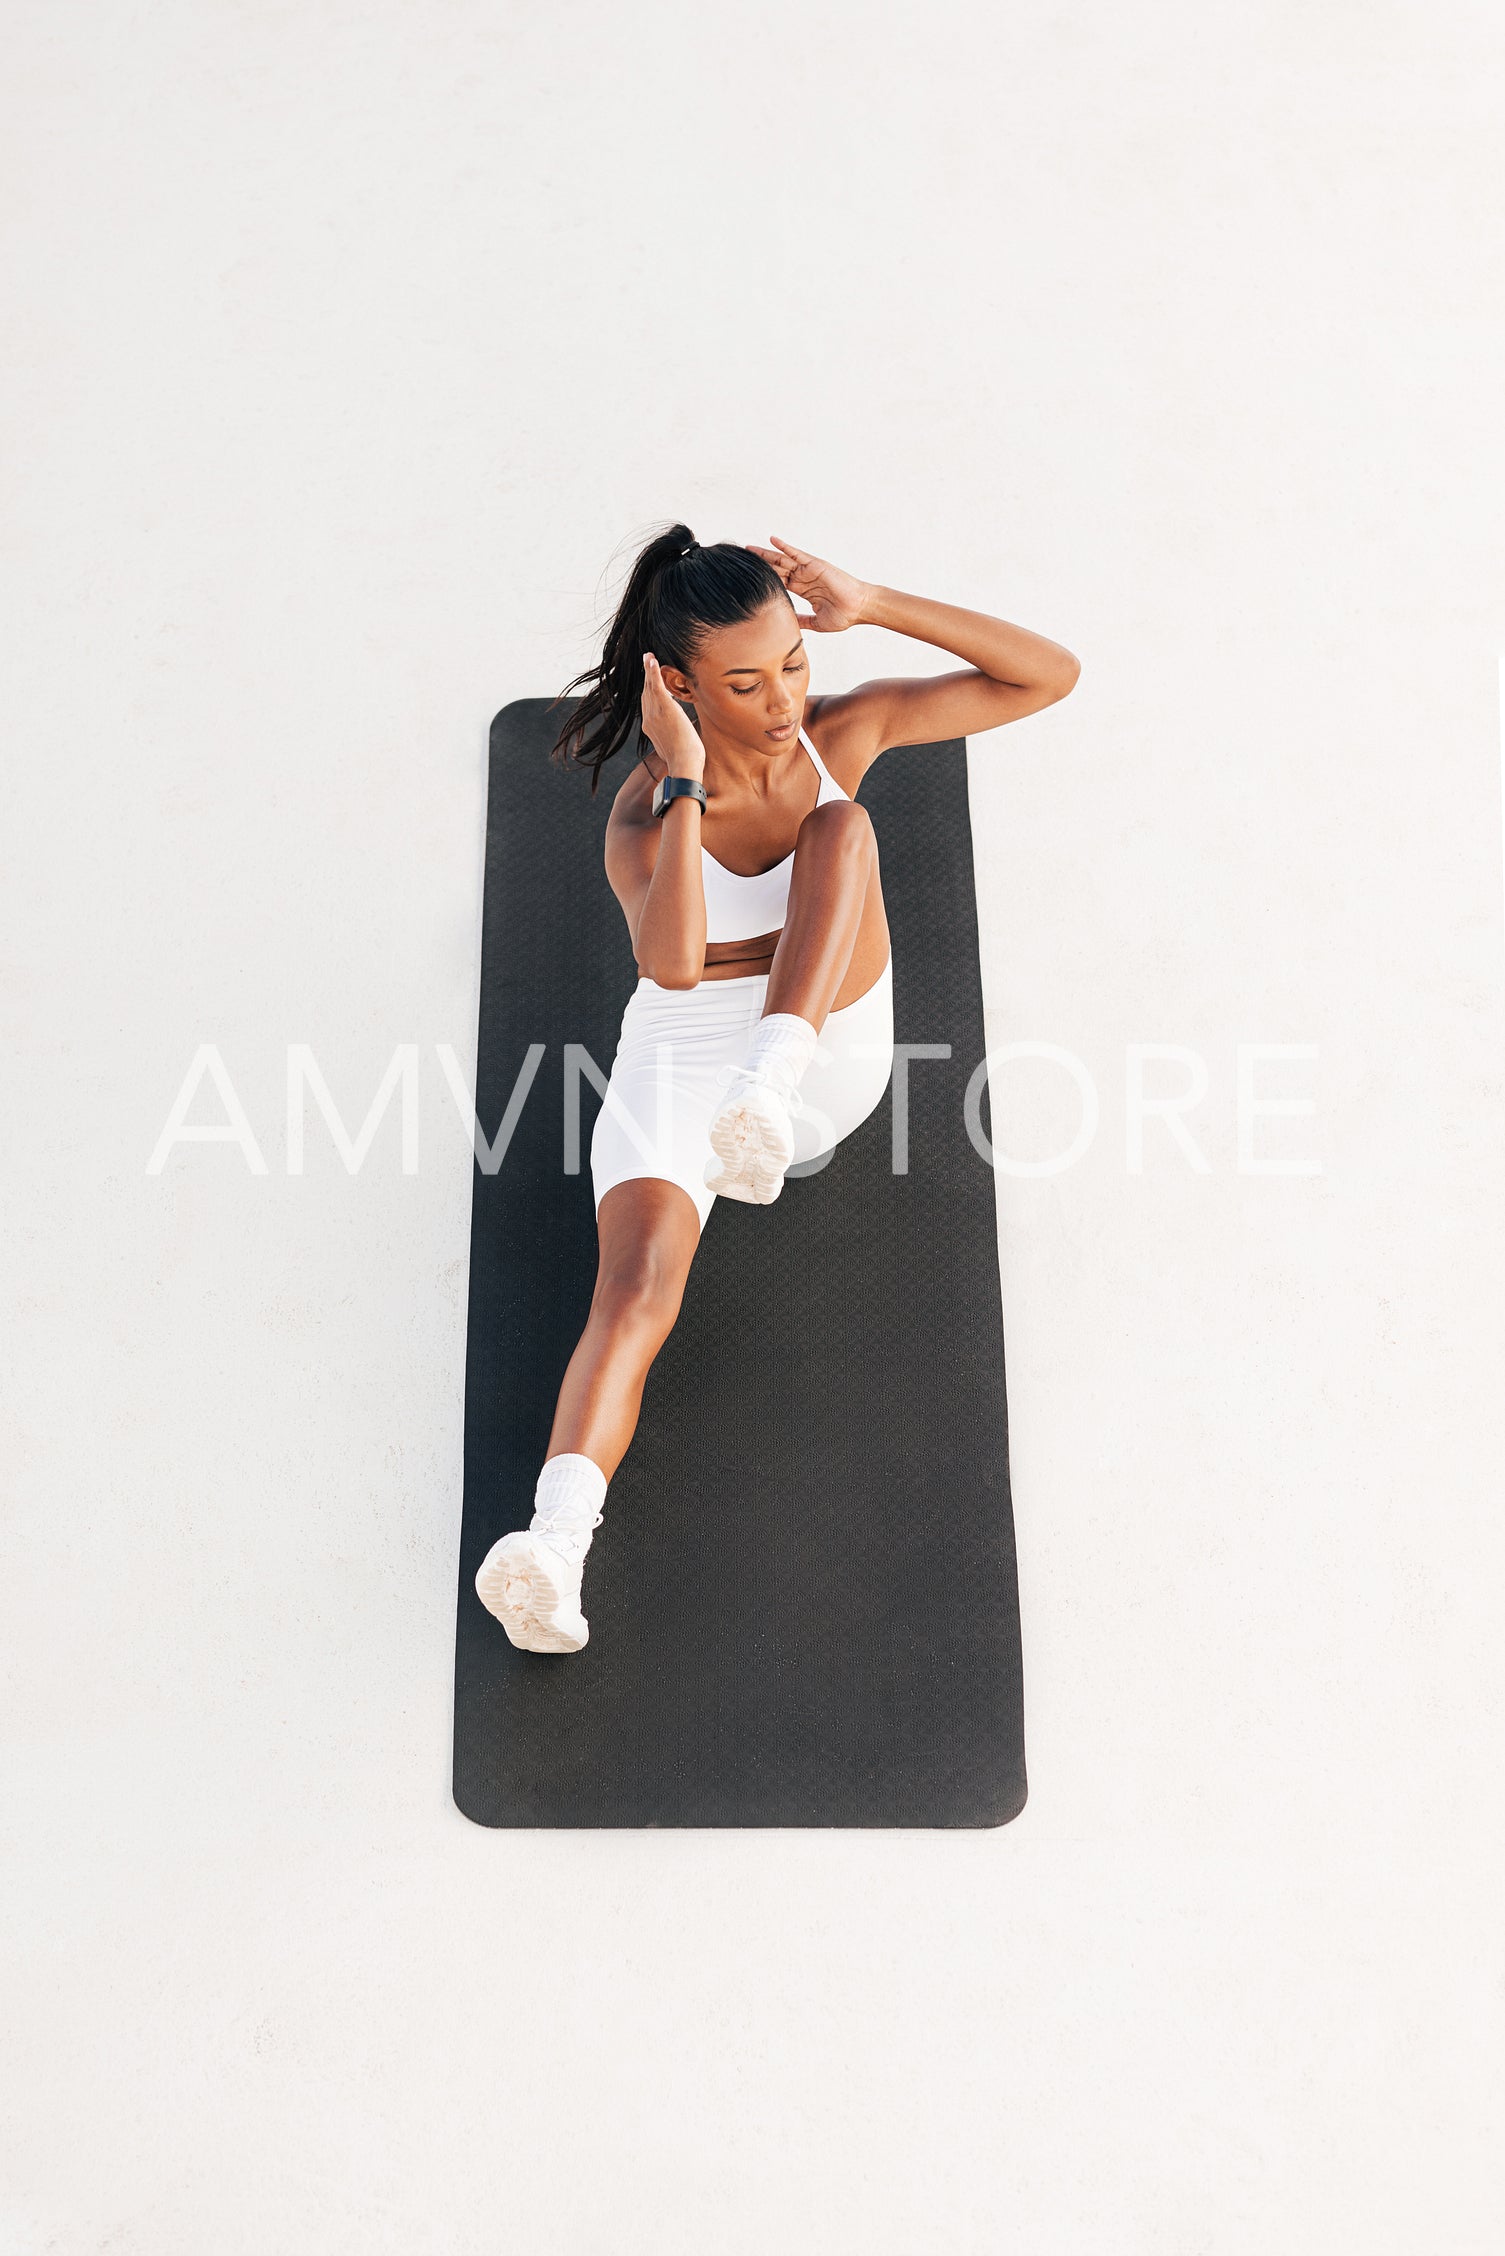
x=785, y=728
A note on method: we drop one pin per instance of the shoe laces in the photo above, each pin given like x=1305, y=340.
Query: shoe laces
x=559, y=1524
x=755, y=1075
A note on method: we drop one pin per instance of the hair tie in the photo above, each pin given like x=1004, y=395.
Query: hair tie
x=690, y=551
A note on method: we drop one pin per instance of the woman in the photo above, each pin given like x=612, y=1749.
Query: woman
x=760, y=1032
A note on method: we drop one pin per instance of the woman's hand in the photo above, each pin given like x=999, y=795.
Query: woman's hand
x=669, y=729
x=835, y=598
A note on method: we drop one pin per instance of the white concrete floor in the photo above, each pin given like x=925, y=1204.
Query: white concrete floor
x=345, y=346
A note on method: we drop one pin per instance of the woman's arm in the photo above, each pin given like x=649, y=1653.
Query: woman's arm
x=653, y=863
x=1012, y=671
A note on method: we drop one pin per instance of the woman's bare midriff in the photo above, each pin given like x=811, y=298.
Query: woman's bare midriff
x=734, y=959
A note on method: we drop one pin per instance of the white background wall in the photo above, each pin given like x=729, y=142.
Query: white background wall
x=346, y=345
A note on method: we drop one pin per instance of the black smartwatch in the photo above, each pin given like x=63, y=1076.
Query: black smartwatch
x=676, y=787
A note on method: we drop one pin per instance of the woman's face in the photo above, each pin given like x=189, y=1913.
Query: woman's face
x=749, y=681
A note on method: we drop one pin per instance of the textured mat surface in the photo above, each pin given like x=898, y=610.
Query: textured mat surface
x=802, y=1599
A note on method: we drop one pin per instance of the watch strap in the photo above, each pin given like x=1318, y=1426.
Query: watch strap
x=669, y=788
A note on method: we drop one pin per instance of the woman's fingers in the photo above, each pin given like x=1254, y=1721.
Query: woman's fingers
x=786, y=558
x=781, y=564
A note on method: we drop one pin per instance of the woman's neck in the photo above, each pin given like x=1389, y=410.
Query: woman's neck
x=743, y=773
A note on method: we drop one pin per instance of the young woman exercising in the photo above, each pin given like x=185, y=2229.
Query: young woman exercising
x=760, y=1032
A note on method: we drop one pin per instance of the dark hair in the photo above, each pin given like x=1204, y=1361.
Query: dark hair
x=675, y=591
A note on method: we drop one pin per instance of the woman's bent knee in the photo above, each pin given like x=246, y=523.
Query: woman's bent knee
x=644, y=1304
x=842, y=824
x=640, y=1271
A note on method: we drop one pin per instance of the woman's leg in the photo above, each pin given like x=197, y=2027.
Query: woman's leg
x=647, y=1230
x=530, y=1579
x=835, y=937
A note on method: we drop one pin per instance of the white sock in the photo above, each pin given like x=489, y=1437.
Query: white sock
x=567, y=1504
x=782, y=1047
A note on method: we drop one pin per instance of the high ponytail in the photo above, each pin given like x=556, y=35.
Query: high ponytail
x=675, y=591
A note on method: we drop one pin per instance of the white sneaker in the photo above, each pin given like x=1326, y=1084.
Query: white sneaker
x=534, y=1592
x=752, y=1135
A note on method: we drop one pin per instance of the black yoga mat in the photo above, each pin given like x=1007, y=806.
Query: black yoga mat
x=802, y=1600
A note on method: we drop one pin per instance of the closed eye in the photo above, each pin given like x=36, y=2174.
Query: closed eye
x=797, y=668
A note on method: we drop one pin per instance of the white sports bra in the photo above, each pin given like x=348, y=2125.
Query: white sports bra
x=743, y=908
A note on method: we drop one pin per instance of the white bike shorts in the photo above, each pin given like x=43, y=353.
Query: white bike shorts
x=664, y=1087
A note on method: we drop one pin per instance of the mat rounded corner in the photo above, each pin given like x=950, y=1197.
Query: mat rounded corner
x=1009, y=1806
x=472, y=1816
x=515, y=710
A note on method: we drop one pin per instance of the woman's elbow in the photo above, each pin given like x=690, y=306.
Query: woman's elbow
x=670, y=974
x=1067, y=675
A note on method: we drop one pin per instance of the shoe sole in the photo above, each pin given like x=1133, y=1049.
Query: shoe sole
x=517, y=1584
x=752, y=1158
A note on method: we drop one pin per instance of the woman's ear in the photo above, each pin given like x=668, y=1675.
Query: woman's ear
x=677, y=684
